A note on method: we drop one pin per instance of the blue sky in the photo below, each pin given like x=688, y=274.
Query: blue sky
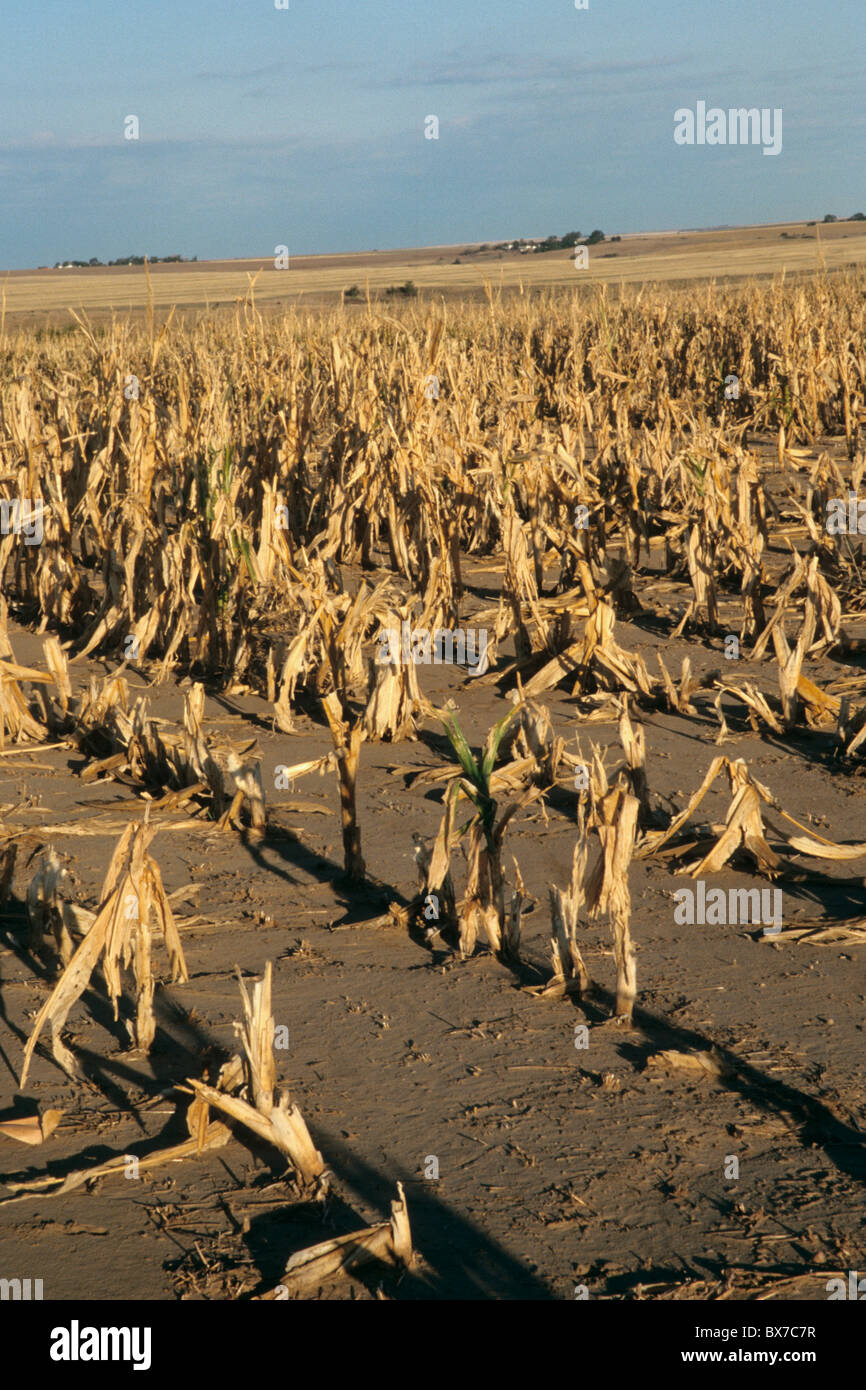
x=305, y=127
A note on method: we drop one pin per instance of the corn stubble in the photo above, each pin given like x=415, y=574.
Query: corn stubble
x=231, y=523
x=598, y=886
x=189, y=527
x=388, y=1242
x=246, y=1091
x=132, y=903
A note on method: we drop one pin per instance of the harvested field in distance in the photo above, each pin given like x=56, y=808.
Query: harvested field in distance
x=793, y=249
x=374, y=682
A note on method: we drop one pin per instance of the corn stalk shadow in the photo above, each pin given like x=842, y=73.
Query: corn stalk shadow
x=843, y=1143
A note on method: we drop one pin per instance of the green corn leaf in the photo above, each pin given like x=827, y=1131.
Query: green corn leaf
x=461, y=748
x=247, y=554
x=491, y=748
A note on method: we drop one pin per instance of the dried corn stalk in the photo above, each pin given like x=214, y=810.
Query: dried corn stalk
x=679, y=701
x=393, y=699
x=5, y=646
x=247, y=778
x=257, y=1036
x=293, y=666
x=202, y=767
x=16, y=719
x=744, y=825
x=482, y=910
x=534, y=740
x=347, y=746
x=613, y=668
x=389, y=1242
x=607, y=889
x=205, y=1135
x=58, y=668
x=570, y=975
x=601, y=888
x=849, y=931
x=514, y=916
x=49, y=914
x=702, y=1066
x=822, y=609
x=634, y=746
x=755, y=703
x=700, y=559
x=280, y=1124
x=437, y=886
x=132, y=900
x=790, y=665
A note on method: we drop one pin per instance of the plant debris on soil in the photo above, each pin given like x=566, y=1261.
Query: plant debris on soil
x=393, y=788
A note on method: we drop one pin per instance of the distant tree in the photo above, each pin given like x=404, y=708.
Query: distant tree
x=408, y=289
x=594, y=238
x=830, y=217
x=858, y=217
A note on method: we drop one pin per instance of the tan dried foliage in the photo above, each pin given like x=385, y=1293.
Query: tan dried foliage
x=132, y=903
x=746, y=825
x=274, y=1119
x=389, y=1242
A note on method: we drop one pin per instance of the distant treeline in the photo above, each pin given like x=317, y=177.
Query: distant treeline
x=123, y=260
x=530, y=245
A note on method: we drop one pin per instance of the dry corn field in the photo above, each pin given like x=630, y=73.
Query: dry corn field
x=432, y=753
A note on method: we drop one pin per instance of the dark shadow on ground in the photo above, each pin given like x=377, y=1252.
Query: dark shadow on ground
x=843, y=1144
x=461, y=1261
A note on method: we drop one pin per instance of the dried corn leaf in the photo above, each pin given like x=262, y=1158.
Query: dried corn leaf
x=33, y=1129
x=284, y=1127
x=204, y=1137
x=701, y=1065
x=132, y=895
x=389, y=1242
